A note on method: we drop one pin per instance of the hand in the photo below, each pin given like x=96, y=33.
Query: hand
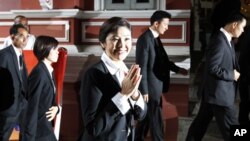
x=146, y=98
x=131, y=81
x=51, y=113
x=136, y=95
x=236, y=75
x=183, y=71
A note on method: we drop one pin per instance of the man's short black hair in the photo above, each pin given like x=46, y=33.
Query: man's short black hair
x=159, y=15
x=15, y=27
x=234, y=17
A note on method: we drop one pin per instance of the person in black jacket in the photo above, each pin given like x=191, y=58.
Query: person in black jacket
x=42, y=107
x=221, y=74
x=244, y=81
x=109, y=95
x=13, y=74
x=155, y=70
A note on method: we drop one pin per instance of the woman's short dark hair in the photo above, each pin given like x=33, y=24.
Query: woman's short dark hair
x=111, y=26
x=159, y=15
x=43, y=45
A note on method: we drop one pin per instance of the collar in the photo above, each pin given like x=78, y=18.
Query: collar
x=112, y=67
x=17, y=51
x=49, y=67
x=155, y=33
x=228, y=36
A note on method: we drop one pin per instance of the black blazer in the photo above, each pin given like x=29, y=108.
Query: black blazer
x=155, y=65
x=102, y=119
x=244, y=57
x=41, y=96
x=219, y=86
x=12, y=91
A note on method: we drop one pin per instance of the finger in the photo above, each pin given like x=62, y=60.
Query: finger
x=50, y=119
x=48, y=116
x=136, y=76
x=133, y=71
x=129, y=72
x=138, y=81
x=145, y=98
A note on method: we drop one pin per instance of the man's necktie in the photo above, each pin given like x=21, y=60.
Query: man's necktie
x=22, y=72
x=23, y=75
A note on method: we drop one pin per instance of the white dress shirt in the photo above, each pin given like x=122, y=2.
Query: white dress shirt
x=18, y=53
x=120, y=100
x=228, y=36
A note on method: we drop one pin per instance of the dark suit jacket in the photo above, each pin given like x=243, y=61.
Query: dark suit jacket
x=244, y=58
x=102, y=119
x=219, y=86
x=41, y=96
x=12, y=91
x=155, y=65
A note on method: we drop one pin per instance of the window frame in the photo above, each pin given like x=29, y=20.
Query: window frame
x=99, y=5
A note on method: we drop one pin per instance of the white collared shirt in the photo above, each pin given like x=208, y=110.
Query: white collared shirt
x=118, y=71
x=155, y=34
x=49, y=67
x=120, y=100
x=18, y=53
x=228, y=36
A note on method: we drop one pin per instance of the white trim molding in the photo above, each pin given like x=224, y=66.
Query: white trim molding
x=55, y=13
x=60, y=39
x=65, y=23
x=130, y=14
x=5, y=24
x=99, y=5
x=76, y=13
x=183, y=25
x=183, y=38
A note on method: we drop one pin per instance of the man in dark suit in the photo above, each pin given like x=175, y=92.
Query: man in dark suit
x=222, y=9
x=219, y=87
x=155, y=70
x=14, y=73
x=244, y=81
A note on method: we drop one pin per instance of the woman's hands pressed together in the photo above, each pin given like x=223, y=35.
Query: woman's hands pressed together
x=131, y=82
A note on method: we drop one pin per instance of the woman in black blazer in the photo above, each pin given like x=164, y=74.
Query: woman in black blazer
x=110, y=100
x=41, y=92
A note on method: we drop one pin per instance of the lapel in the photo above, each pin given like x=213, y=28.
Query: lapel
x=151, y=37
x=24, y=67
x=116, y=80
x=48, y=76
x=235, y=59
x=113, y=76
x=14, y=59
x=231, y=48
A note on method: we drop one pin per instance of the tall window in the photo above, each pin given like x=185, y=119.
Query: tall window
x=130, y=4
